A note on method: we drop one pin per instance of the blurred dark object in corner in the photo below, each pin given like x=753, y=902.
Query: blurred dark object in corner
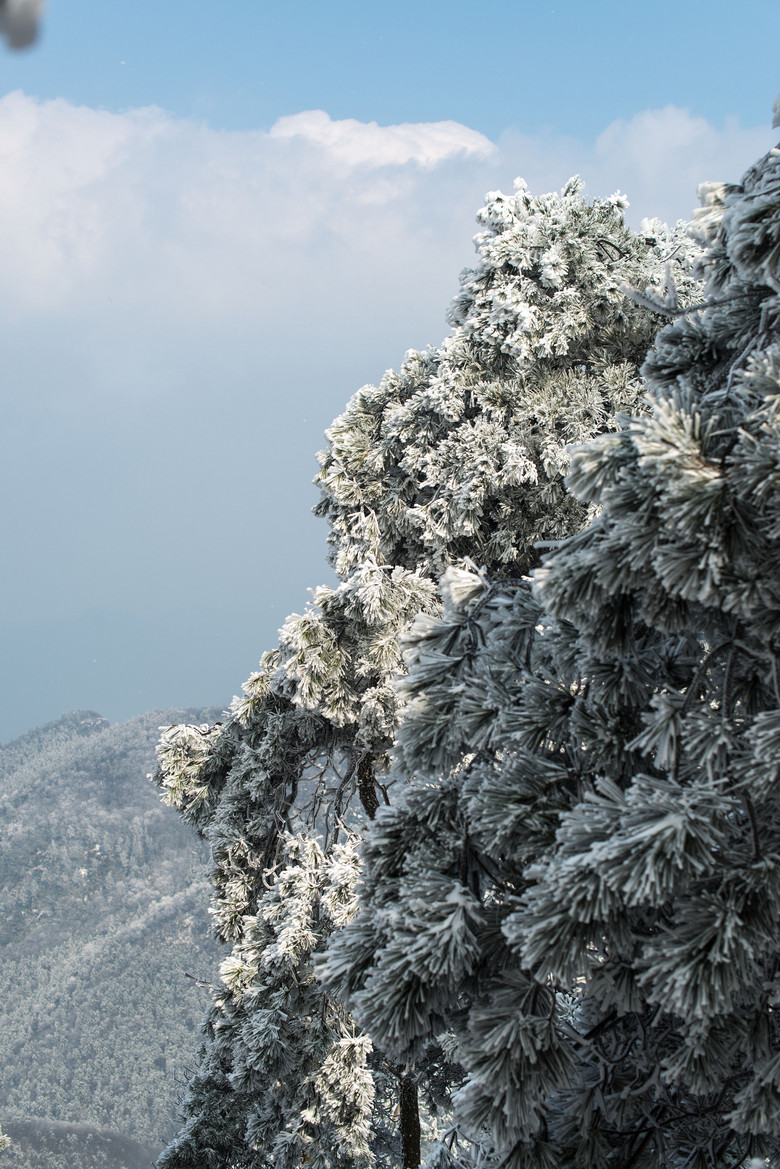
x=19, y=22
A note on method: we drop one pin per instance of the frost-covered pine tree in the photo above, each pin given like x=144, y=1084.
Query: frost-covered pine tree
x=458, y=455
x=294, y=1054
x=583, y=881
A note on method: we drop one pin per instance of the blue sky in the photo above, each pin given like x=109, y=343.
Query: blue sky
x=214, y=229
x=568, y=68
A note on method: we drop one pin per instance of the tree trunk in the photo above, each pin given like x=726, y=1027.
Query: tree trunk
x=366, y=787
x=410, y=1121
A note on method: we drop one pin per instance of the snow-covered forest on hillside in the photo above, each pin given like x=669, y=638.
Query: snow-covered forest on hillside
x=494, y=828
x=103, y=914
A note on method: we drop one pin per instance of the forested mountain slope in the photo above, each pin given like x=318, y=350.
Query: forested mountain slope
x=52, y=1144
x=101, y=918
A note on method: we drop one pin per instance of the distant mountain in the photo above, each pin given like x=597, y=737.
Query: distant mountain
x=102, y=917
x=50, y=1144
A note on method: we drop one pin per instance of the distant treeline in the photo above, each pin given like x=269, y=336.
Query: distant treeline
x=50, y=1144
x=102, y=917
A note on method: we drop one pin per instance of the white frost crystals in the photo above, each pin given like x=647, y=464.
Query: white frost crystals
x=594, y=756
x=454, y=460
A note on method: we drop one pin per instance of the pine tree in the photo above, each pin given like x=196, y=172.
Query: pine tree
x=460, y=454
x=583, y=880
x=292, y=1052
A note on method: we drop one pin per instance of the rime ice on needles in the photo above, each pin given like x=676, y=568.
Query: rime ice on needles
x=675, y=589
x=465, y=459
x=296, y=1087
x=597, y=765
x=458, y=455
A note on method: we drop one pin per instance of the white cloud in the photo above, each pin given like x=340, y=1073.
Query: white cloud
x=368, y=144
x=658, y=158
x=103, y=214
x=665, y=154
x=184, y=310
x=170, y=217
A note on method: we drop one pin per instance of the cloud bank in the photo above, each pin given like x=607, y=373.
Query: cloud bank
x=170, y=217
x=176, y=218
x=184, y=312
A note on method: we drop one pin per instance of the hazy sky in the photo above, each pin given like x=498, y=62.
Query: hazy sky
x=214, y=228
